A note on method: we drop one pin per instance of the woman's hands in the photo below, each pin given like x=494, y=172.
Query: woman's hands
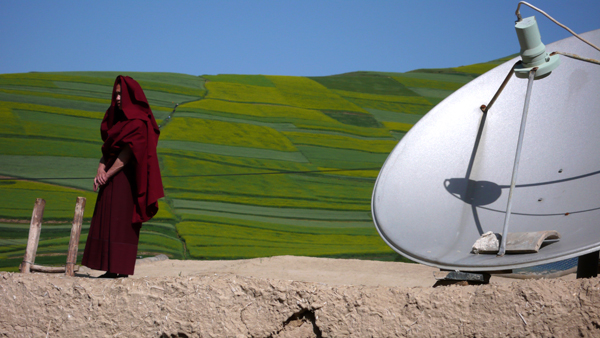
x=102, y=176
x=100, y=179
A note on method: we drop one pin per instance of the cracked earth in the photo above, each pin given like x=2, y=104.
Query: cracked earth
x=230, y=305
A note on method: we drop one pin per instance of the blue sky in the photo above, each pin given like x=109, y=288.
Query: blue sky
x=302, y=38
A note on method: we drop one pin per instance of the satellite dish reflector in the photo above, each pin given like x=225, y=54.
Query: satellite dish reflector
x=446, y=183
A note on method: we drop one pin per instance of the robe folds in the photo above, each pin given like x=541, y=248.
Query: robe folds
x=131, y=196
x=112, y=241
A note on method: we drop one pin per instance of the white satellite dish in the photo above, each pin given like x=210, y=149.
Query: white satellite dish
x=447, y=182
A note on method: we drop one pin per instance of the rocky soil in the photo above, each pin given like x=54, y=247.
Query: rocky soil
x=216, y=304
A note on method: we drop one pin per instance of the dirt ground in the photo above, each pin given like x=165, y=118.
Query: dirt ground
x=303, y=269
x=292, y=297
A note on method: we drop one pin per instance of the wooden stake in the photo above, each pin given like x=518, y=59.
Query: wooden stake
x=51, y=269
x=75, y=232
x=35, y=227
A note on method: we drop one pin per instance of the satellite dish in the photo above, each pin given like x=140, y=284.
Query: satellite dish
x=447, y=182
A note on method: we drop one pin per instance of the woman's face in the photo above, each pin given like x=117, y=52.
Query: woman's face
x=118, y=95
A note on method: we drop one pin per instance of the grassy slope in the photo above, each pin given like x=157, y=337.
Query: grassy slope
x=252, y=165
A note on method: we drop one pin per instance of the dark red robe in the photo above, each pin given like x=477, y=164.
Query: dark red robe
x=131, y=196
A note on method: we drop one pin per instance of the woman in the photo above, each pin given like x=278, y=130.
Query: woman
x=129, y=181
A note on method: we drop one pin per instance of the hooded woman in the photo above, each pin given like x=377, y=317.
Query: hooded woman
x=129, y=181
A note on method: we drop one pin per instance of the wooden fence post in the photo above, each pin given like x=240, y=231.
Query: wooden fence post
x=35, y=227
x=75, y=232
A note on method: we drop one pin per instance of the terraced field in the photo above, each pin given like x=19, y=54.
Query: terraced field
x=252, y=165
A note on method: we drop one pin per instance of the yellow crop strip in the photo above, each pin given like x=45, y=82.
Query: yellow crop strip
x=270, y=186
x=401, y=107
x=54, y=110
x=259, y=110
x=56, y=96
x=385, y=98
x=30, y=185
x=188, y=160
x=59, y=200
x=232, y=240
x=342, y=142
x=397, y=126
x=266, y=237
x=10, y=123
x=168, y=88
x=290, y=91
x=68, y=97
x=64, y=132
x=306, y=93
x=272, y=201
x=353, y=173
x=164, y=211
x=422, y=83
x=478, y=68
x=26, y=82
x=153, y=242
x=225, y=133
x=344, y=128
x=46, y=80
x=58, y=77
x=244, y=93
x=182, y=166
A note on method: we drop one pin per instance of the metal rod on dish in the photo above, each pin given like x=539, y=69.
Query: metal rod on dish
x=485, y=108
x=502, y=249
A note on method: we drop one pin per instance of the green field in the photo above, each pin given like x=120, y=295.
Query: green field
x=252, y=165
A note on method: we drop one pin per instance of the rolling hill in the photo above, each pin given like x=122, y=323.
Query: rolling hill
x=252, y=165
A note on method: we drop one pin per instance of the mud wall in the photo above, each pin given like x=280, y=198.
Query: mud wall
x=231, y=306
